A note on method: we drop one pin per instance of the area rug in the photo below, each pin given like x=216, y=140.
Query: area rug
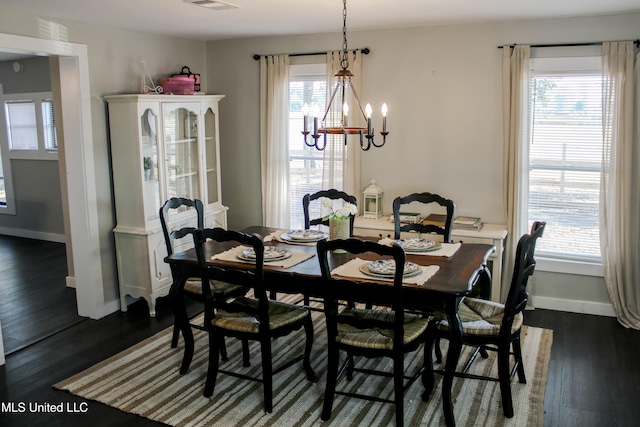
x=144, y=380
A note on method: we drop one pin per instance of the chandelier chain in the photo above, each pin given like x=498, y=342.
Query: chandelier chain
x=344, y=62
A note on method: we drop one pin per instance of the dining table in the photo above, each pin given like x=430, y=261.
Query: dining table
x=455, y=276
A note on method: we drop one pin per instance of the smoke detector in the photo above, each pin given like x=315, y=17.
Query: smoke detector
x=213, y=4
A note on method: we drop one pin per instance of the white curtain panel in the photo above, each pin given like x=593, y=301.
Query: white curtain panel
x=341, y=165
x=274, y=131
x=515, y=113
x=620, y=181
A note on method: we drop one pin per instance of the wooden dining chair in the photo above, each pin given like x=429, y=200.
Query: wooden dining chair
x=331, y=194
x=371, y=333
x=259, y=318
x=426, y=198
x=193, y=286
x=493, y=326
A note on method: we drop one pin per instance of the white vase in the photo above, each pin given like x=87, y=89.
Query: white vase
x=339, y=228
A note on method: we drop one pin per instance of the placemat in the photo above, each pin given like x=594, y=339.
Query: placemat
x=351, y=270
x=232, y=255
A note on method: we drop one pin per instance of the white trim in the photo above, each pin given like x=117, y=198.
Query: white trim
x=41, y=153
x=573, y=306
x=33, y=234
x=78, y=153
x=580, y=268
x=71, y=281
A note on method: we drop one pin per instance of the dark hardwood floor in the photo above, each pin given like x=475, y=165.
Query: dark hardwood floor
x=35, y=301
x=594, y=375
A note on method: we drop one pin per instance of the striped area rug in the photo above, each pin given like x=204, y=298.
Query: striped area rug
x=144, y=380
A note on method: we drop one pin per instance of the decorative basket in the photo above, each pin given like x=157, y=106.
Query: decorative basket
x=339, y=228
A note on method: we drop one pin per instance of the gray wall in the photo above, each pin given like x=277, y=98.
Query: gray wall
x=36, y=183
x=443, y=88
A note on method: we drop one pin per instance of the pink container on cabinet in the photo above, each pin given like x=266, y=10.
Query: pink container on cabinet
x=178, y=85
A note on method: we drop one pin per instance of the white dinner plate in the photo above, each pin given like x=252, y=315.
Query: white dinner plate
x=387, y=268
x=271, y=253
x=304, y=235
x=418, y=245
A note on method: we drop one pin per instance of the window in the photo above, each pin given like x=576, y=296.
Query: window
x=564, y=156
x=22, y=131
x=308, y=83
x=28, y=132
x=48, y=126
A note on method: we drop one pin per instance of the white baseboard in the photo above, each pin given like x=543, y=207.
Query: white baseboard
x=573, y=306
x=71, y=282
x=31, y=234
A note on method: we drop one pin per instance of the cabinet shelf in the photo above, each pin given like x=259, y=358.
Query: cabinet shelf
x=183, y=141
x=185, y=175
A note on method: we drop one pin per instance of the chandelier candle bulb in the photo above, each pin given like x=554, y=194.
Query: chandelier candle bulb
x=345, y=114
x=316, y=111
x=368, y=110
x=305, y=113
x=384, y=117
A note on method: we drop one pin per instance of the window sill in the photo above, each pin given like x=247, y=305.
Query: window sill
x=582, y=268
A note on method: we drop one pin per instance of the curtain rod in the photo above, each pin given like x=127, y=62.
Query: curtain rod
x=636, y=42
x=365, y=51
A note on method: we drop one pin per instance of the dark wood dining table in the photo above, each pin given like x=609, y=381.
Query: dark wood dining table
x=443, y=292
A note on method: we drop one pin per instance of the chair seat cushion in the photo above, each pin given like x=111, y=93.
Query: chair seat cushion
x=480, y=317
x=239, y=317
x=219, y=289
x=376, y=337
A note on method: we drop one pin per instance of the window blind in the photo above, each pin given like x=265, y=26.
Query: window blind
x=21, y=125
x=305, y=163
x=49, y=126
x=564, y=161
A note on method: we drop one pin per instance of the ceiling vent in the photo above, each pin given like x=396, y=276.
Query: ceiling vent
x=213, y=4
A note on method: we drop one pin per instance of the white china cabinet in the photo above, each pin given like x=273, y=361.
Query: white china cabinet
x=162, y=146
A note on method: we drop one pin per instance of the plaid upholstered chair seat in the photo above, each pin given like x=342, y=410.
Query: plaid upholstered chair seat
x=374, y=328
x=241, y=315
x=480, y=317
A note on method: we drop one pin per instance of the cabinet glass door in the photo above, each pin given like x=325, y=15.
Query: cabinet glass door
x=211, y=156
x=150, y=179
x=181, y=152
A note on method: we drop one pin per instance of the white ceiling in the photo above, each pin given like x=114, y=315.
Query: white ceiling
x=255, y=18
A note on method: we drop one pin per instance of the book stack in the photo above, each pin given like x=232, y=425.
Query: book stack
x=467, y=223
x=407, y=217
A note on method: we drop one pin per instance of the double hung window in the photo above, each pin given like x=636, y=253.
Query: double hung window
x=28, y=132
x=307, y=84
x=564, y=156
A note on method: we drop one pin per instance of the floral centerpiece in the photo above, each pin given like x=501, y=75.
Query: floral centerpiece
x=339, y=220
x=343, y=213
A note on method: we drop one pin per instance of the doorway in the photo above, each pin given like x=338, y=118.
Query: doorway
x=70, y=79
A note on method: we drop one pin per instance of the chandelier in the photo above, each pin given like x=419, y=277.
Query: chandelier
x=343, y=81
